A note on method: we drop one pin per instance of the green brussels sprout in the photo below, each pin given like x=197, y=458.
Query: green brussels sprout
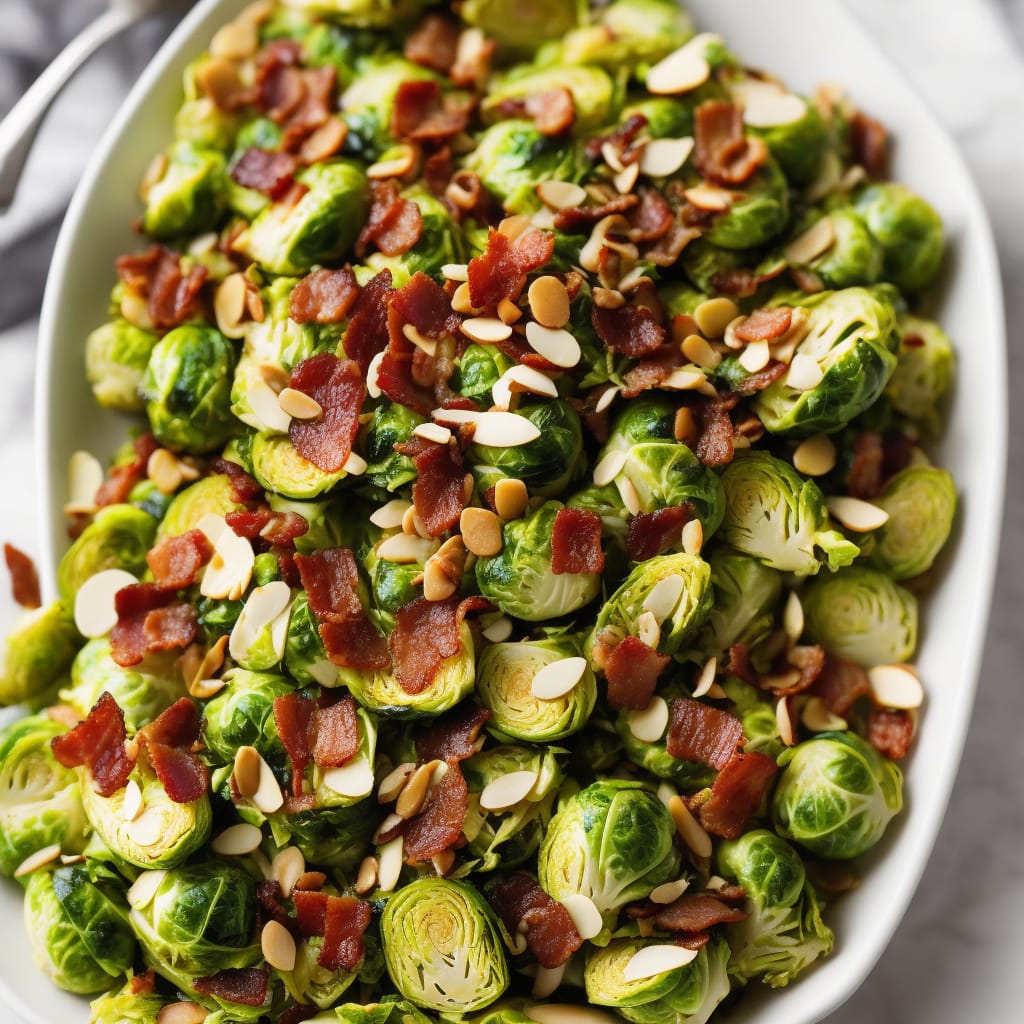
x=504, y=683
x=921, y=502
x=783, y=932
x=593, y=92
x=835, y=795
x=78, y=929
x=443, y=947
x=628, y=33
x=924, y=371
x=326, y=44
x=391, y=424
x=148, y=498
x=187, y=388
x=854, y=258
x=189, y=197
x=319, y=228
x=756, y=218
x=648, y=417
x=330, y=837
x=115, y=359
x=395, y=584
x=305, y=658
x=242, y=715
x=209, y=496
x=512, y=157
x=668, y=117
x=852, y=336
x=621, y=613
x=118, y=538
x=309, y=982
x=280, y=468
x=36, y=654
x=863, y=615
x=522, y=26
x=520, y=579
x=746, y=596
x=478, y=370
x=688, y=993
x=126, y=1006
x=511, y=1012
x=142, y=692
x=798, y=146
x=364, y=13
x=908, y=229
x=511, y=836
x=360, y=768
x=548, y=465
x=391, y=1009
x=40, y=802
x=199, y=120
x=780, y=518
x=613, y=842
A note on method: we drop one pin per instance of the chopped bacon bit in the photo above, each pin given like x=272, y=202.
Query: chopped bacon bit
x=651, y=371
x=276, y=527
x=524, y=907
x=631, y=331
x=243, y=486
x=890, y=731
x=346, y=919
x=668, y=248
x=693, y=940
x=576, y=542
x=632, y=669
x=271, y=901
x=294, y=718
x=24, y=578
x=98, y=744
x=267, y=171
x=297, y=1014
x=245, y=985
x=737, y=792
x=714, y=445
x=184, y=777
x=775, y=370
x=620, y=138
x=438, y=826
x=310, y=911
x=355, y=643
x=324, y=296
x=699, y=732
x=146, y=624
x=177, y=726
x=278, y=91
x=869, y=144
x=841, y=684
x=725, y=155
x=367, y=332
x=310, y=881
x=119, y=483
x=651, y=218
x=421, y=113
x=425, y=634
x=553, y=111
x=696, y=912
x=499, y=272
x=652, y=533
x=438, y=169
x=315, y=108
x=393, y=225
x=765, y=324
x=739, y=664
x=867, y=467
x=579, y=218
x=439, y=493
x=337, y=385
x=337, y=734
x=142, y=984
x=423, y=304
x=434, y=43
x=809, y=661
x=175, y=561
x=157, y=275
x=167, y=629
x=742, y=283
x=453, y=736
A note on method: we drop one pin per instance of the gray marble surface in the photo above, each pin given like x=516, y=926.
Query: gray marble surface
x=957, y=955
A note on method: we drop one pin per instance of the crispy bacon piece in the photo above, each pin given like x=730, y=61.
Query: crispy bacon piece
x=354, y=643
x=171, y=293
x=631, y=331
x=576, y=542
x=148, y=621
x=184, y=777
x=245, y=985
x=737, y=792
x=337, y=385
x=404, y=378
x=651, y=371
x=243, y=486
x=651, y=218
x=697, y=912
x=714, y=445
x=315, y=107
x=667, y=249
x=739, y=664
x=98, y=744
x=311, y=881
x=422, y=113
x=24, y=578
x=741, y=282
x=840, y=684
x=175, y=561
x=890, y=731
x=337, y=734
x=297, y=1014
x=632, y=670
x=651, y=533
x=453, y=736
x=294, y=717
x=275, y=527
x=279, y=91
x=438, y=826
x=176, y=726
x=765, y=324
x=367, y=332
x=699, y=732
x=425, y=634
x=775, y=370
x=310, y=911
x=438, y=493
x=869, y=144
x=808, y=660
x=866, y=471
x=393, y=225
x=433, y=43
x=579, y=219
x=500, y=271
x=324, y=296
x=553, y=111
x=345, y=922
x=621, y=138
x=267, y=171
x=423, y=304
x=725, y=155
x=170, y=627
x=523, y=905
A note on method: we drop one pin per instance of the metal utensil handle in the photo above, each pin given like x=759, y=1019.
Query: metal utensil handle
x=19, y=127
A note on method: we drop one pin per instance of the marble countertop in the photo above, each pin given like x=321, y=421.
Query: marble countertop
x=956, y=955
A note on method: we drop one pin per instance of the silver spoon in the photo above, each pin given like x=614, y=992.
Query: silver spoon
x=18, y=129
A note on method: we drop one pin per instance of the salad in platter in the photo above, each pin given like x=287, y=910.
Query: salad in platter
x=505, y=606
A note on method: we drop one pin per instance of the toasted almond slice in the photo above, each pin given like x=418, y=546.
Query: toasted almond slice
x=756, y=356
x=818, y=718
x=711, y=198
x=147, y=829
x=628, y=494
x=367, y=877
x=648, y=629
x=612, y=156
x=663, y=597
x=816, y=456
x=265, y=407
x=237, y=840
x=390, y=515
x=585, y=915
x=268, y=796
x=690, y=830
x=685, y=426
x=627, y=178
x=784, y=721
x=372, y=371
x=487, y=330
x=706, y=678
x=557, y=678
x=95, y=613
x=546, y=980
x=229, y=305
x=814, y=242
x=456, y=416
x=154, y=172
x=391, y=785
x=182, y=1012
x=263, y=606
x=607, y=397
x=209, y=665
x=390, y=822
x=514, y=226
x=793, y=616
x=354, y=780
x=278, y=946
x=246, y=771
x=287, y=867
x=499, y=630
x=414, y=793
x=144, y=888
x=132, y=804
x=456, y=271
x=508, y=311
x=164, y=470
x=714, y=315
x=461, y=301
x=526, y=378
x=896, y=686
x=504, y=430
x=662, y=157
x=85, y=477
x=649, y=725
x=683, y=380
x=507, y=791
x=405, y=550
x=299, y=405
x=421, y=341
x=697, y=350
x=230, y=568
x=803, y=374
x=556, y=345
x=683, y=69
x=430, y=431
x=390, y=860
x=561, y=195
x=609, y=467
x=510, y=498
x=549, y=302
x=693, y=537
x=766, y=104
x=654, y=960
x=481, y=531
x=394, y=167
x=856, y=515
x=567, y=1013
x=608, y=298
x=669, y=892
x=37, y=860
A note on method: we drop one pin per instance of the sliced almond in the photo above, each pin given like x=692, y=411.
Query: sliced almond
x=669, y=892
x=456, y=416
x=430, y=431
x=793, y=617
x=814, y=242
x=628, y=494
x=690, y=830
x=521, y=378
x=784, y=721
x=414, y=793
x=683, y=380
x=546, y=980
x=461, y=301
x=95, y=612
x=261, y=608
x=561, y=195
x=372, y=372
x=246, y=771
x=390, y=860
x=654, y=960
x=182, y=1012
x=268, y=797
x=816, y=456
x=237, y=840
x=556, y=345
x=683, y=69
x=568, y=1013
x=662, y=157
x=456, y=271
x=392, y=783
x=706, y=679
x=508, y=311
x=322, y=143
x=663, y=597
x=287, y=867
x=163, y=469
x=396, y=166
x=648, y=629
x=803, y=374
x=405, y=550
x=353, y=780
x=626, y=178
x=896, y=686
x=220, y=80
x=299, y=405
x=818, y=718
x=649, y=725
x=766, y=104
x=278, y=946
x=487, y=330
x=367, y=877
x=265, y=408
x=685, y=426
x=392, y=821
x=85, y=477
x=693, y=537
x=507, y=791
x=756, y=356
x=499, y=630
x=200, y=680
x=608, y=298
x=147, y=829
x=609, y=467
x=154, y=172
x=557, y=678
x=714, y=315
x=856, y=515
x=229, y=305
x=421, y=341
x=710, y=198
x=133, y=803
x=230, y=569
x=481, y=531
x=585, y=915
x=697, y=350
x=144, y=888
x=390, y=515
x=510, y=498
x=37, y=860
x=504, y=430
x=549, y=302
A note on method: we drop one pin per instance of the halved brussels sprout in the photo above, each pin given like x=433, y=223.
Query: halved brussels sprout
x=36, y=654
x=799, y=146
x=391, y=1009
x=854, y=258
x=391, y=424
x=305, y=658
x=127, y=1006
x=783, y=932
x=746, y=598
x=836, y=795
x=628, y=33
x=924, y=371
x=187, y=388
x=780, y=518
x=613, y=842
x=78, y=929
x=115, y=359
x=280, y=468
x=758, y=216
x=852, y=337
x=330, y=837
x=523, y=26
x=504, y=683
x=362, y=765
x=593, y=91
x=683, y=994
x=520, y=579
x=443, y=947
x=210, y=495
x=363, y=13
x=242, y=715
x=478, y=370
x=309, y=982
x=189, y=197
x=40, y=800
x=921, y=502
x=861, y=614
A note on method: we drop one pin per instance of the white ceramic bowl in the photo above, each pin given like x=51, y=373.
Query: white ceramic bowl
x=805, y=42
